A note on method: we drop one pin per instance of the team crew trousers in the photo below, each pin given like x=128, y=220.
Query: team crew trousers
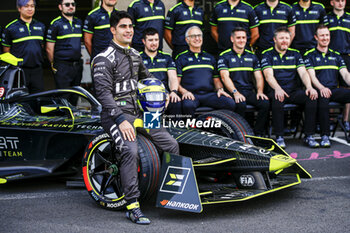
x=68, y=73
x=34, y=79
x=263, y=107
x=341, y=95
x=211, y=100
x=295, y=97
x=128, y=152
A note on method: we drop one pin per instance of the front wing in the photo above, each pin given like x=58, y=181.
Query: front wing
x=180, y=190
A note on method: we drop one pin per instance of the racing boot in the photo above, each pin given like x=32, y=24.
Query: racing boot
x=280, y=142
x=135, y=215
x=311, y=142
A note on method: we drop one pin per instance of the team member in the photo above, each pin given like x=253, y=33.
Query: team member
x=229, y=14
x=308, y=15
x=24, y=37
x=273, y=14
x=324, y=65
x=115, y=82
x=0, y=40
x=162, y=66
x=146, y=14
x=96, y=28
x=199, y=81
x=237, y=67
x=179, y=18
x=280, y=65
x=63, y=46
x=339, y=26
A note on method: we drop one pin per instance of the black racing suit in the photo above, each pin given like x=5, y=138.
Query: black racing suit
x=116, y=71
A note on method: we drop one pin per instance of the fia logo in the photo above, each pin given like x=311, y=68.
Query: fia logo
x=151, y=120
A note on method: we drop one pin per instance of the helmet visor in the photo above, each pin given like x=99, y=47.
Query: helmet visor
x=155, y=96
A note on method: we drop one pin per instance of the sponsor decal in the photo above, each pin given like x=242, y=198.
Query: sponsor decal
x=37, y=28
x=8, y=143
x=2, y=91
x=159, y=8
x=248, y=59
x=65, y=27
x=151, y=120
x=240, y=11
x=233, y=59
x=175, y=180
x=145, y=62
x=161, y=60
x=224, y=11
x=281, y=12
x=98, y=138
x=94, y=196
x=206, y=59
x=331, y=58
x=77, y=26
x=178, y=204
x=264, y=12
x=21, y=29
x=313, y=12
x=190, y=59
x=346, y=20
x=185, y=13
x=117, y=204
x=318, y=59
x=197, y=13
x=103, y=17
x=290, y=58
x=247, y=180
x=146, y=9
x=297, y=12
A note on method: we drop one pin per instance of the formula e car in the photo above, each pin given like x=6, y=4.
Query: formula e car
x=51, y=132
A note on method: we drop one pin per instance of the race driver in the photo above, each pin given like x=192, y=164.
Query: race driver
x=116, y=71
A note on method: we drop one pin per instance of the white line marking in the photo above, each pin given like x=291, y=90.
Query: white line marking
x=6, y=197
x=342, y=141
x=326, y=178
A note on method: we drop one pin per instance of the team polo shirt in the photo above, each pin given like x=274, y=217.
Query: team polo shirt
x=307, y=21
x=181, y=17
x=284, y=66
x=197, y=71
x=226, y=17
x=25, y=40
x=67, y=38
x=340, y=32
x=159, y=65
x=145, y=15
x=240, y=66
x=326, y=66
x=97, y=23
x=272, y=18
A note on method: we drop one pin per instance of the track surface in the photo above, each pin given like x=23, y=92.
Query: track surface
x=321, y=204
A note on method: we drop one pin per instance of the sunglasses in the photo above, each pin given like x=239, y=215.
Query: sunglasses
x=67, y=4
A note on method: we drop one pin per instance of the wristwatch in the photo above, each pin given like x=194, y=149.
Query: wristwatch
x=234, y=91
x=175, y=91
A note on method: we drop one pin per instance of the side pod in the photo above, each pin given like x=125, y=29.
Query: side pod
x=178, y=188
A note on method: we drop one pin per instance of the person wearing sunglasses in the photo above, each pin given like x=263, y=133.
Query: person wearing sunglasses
x=23, y=38
x=63, y=46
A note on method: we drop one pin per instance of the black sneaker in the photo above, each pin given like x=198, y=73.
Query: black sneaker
x=135, y=214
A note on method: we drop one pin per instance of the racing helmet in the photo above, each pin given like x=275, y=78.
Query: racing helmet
x=151, y=95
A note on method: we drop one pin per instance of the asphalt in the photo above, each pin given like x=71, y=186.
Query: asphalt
x=320, y=204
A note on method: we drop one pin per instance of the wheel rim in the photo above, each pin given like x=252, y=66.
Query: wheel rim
x=103, y=172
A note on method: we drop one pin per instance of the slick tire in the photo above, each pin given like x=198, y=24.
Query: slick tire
x=232, y=125
x=101, y=172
